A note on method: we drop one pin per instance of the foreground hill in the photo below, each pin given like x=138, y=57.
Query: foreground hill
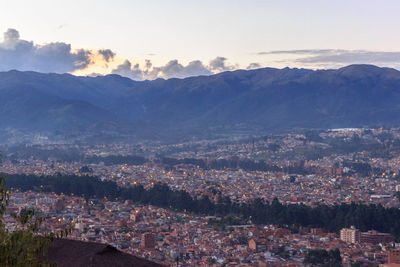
x=259, y=100
x=65, y=252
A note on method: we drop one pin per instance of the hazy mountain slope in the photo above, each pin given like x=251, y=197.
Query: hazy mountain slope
x=264, y=99
x=279, y=99
x=26, y=108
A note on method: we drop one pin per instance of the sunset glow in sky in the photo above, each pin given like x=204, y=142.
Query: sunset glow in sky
x=171, y=38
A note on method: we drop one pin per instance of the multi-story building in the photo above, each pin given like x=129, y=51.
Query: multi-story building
x=258, y=245
x=148, y=240
x=316, y=231
x=350, y=235
x=374, y=237
x=394, y=256
x=398, y=188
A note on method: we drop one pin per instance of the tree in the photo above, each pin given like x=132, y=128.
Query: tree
x=321, y=257
x=24, y=246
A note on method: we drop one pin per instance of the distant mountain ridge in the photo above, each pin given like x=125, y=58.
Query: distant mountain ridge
x=259, y=100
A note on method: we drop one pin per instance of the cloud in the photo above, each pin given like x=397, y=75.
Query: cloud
x=148, y=64
x=60, y=27
x=299, y=52
x=219, y=64
x=253, y=66
x=16, y=53
x=94, y=74
x=11, y=36
x=350, y=57
x=126, y=69
x=173, y=69
x=337, y=57
x=107, y=54
x=59, y=57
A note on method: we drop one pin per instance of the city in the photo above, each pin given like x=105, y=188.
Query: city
x=213, y=133
x=167, y=236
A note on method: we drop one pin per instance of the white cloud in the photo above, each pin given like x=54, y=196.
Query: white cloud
x=126, y=69
x=172, y=69
x=59, y=57
x=176, y=70
x=219, y=64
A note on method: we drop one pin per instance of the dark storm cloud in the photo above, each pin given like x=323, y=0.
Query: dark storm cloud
x=19, y=54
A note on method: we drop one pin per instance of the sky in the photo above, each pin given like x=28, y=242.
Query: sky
x=169, y=38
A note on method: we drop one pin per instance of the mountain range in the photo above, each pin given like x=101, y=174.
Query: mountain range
x=253, y=101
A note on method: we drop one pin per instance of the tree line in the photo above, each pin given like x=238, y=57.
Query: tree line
x=321, y=257
x=330, y=218
x=26, y=245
